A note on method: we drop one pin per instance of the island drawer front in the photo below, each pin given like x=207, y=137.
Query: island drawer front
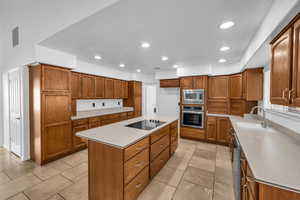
x=94, y=124
x=174, y=134
x=133, y=166
x=174, y=147
x=112, y=116
x=137, y=185
x=159, y=162
x=80, y=122
x=174, y=124
x=136, y=148
x=159, y=134
x=94, y=119
x=159, y=146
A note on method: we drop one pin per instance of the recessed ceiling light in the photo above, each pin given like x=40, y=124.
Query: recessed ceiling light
x=122, y=65
x=175, y=66
x=222, y=60
x=227, y=25
x=138, y=70
x=145, y=45
x=98, y=57
x=224, y=48
x=164, y=58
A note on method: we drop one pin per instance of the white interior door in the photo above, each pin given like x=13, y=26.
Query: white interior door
x=15, y=112
x=168, y=102
x=151, y=100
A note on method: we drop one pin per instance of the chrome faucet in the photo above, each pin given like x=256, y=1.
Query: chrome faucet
x=263, y=110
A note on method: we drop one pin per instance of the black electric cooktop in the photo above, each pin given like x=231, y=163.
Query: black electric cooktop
x=146, y=124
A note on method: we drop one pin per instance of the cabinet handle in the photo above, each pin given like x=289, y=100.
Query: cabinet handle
x=291, y=95
x=138, y=148
x=138, y=185
x=286, y=98
x=138, y=164
x=161, y=160
x=161, y=145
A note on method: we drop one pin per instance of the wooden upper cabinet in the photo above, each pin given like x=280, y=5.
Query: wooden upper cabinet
x=169, y=83
x=125, y=89
x=199, y=82
x=193, y=82
x=56, y=78
x=253, y=84
x=76, y=85
x=109, y=88
x=295, y=91
x=236, y=88
x=88, y=86
x=218, y=87
x=118, y=89
x=281, y=68
x=99, y=87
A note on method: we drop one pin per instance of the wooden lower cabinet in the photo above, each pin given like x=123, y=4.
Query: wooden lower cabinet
x=217, y=129
x=192, y=133
x=223, y=129
x=126, y=172
x=211, y=128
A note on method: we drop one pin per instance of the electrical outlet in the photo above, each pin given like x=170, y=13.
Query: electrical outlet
x=103, y=104
x=119, y=102
x=94, y=105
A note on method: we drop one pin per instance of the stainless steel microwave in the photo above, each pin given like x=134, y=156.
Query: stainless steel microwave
x=193, y=96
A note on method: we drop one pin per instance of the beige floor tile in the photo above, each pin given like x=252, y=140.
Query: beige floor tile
x=206, y=146
x=59, y=165
x=190, y=191
x=47, y=188
x=200, y=177
x=76, y=172
x=18, y=185
x=178, y=162
x=19, y=196
x=169, y=176
x=157, y=191
x=45, y=172
x=224, y=175
x=56, y=197
x=6, y=162
x=3, y=178
x=75, y=159
x=210, y=155
x=223, y=191
x=20, y=170
x=77, y=191
x=201, y=163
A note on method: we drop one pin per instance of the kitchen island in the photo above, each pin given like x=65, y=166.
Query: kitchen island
x=122, y=159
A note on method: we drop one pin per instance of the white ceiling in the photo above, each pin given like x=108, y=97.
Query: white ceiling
x=187, y=31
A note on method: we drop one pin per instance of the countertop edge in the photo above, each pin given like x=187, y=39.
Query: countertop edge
x=73, y=118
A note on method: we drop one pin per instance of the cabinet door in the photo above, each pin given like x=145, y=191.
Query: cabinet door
x=222, y=129
x=56, y=79
x=169, y=83
x=118, y=89
x=281, y=68
x=125, y=89
x=199, y=82
x=295, y=95
x=218, y=87
x=236, y=89
x=88, y=86
x=186, y=83
x=109, y=88
x=76, y=85
x=99, y=87
x=211, y=133
x=57, y=140
x=56, y=108
x=77, y=141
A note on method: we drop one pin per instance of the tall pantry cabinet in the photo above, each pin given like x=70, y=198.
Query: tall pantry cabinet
x=50, y=112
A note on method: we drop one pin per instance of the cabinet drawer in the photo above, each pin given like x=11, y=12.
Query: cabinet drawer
x=108, y=121
x=159, y=146
x=80, y=122
x=173, y=147
x=112, y=116
x=133, y=166
x=136, y=148
x=137, y=185
x=174, y=124
x=159, y=162
x=159, y=134
x=94, y=124
x=94, y=119
x=130, y=114
x=174, y=134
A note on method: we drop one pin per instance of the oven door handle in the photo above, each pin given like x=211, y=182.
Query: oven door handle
x=194, y=112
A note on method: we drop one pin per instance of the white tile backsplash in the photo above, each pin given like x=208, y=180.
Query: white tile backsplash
x=87, y=104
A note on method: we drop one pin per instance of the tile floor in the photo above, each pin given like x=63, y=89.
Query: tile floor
x=197, y=171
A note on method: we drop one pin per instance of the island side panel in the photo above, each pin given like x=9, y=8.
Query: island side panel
x=105, y=172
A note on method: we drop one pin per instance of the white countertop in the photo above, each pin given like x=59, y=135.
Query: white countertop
x=217, y=115
x=118, y=135
x=99, y=112
x=273, y=156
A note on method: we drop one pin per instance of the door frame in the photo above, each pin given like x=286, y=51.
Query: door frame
x=24, y=111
